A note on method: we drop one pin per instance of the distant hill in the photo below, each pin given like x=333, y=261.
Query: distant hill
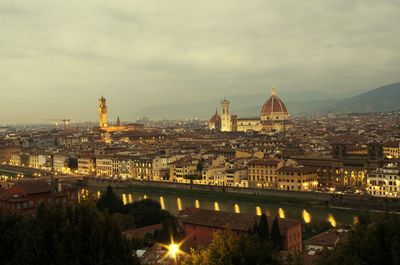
x=384, y=98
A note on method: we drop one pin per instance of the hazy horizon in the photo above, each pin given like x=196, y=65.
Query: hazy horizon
x=58, y=58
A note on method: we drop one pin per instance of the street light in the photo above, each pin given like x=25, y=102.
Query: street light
x=173, y=250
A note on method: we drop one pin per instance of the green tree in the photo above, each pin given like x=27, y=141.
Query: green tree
x=72, y=163
x=228, y=249
x=263, y=228
x=375, y=241
x=110, y=201
x=276, y=233
x=199, y=168
x=63, y=235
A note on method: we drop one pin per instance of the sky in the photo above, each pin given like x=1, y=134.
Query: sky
x=58, y=57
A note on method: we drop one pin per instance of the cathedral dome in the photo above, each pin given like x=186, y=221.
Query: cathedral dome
x=274, y=108
x=215, y=121
x=215, y=118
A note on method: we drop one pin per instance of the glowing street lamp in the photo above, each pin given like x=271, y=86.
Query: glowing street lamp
x=173, y=250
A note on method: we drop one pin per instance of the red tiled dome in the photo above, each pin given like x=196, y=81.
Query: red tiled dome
x=273, y=105
x=215, y=118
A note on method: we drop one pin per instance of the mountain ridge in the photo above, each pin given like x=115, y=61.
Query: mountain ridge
x=384, y=98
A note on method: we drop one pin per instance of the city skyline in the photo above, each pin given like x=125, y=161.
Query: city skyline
x=143, y=54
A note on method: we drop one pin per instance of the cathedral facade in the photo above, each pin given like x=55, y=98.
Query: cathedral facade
x=274, y=117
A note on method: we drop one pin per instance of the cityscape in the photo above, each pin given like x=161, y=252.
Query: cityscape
x=216, y=167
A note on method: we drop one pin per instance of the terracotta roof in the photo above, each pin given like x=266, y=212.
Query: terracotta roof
x=34, y=186
x=288, y=169
x=219, y=219
x=142, y=231
x=273, y=105
x=329, y=238
x=215, y=118
x=264, y=162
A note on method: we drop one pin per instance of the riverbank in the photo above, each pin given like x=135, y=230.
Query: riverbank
x=327, y=200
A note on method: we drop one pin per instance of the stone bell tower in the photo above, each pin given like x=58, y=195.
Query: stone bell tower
x=102, y=112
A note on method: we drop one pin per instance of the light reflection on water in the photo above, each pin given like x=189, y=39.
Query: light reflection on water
x=174, y=204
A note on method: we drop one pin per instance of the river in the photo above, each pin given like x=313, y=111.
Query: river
x=309, y=214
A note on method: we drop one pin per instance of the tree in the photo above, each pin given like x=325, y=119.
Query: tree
x=74, y=235
x=72, y=163
x=263, y=229
x=199, y=167
x=375, y=240
x=276, y=233
x=223, y=250
x=231, y=250
x=109, y=201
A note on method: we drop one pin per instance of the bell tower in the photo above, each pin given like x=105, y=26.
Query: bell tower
x=225, y=116
x=102, y=112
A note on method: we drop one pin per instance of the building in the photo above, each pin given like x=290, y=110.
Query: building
x=161, y=167
x=384, y=182
x=297, y=178
x=104, y=166
x=86, y=165
x=102, y=112
x=142, y=167
x=215, y=122
x=236, y=177
x=226, y=125
x=200, y=225
x=123, y=164
x=263, y=173
x=182, y=169
x=343, y=169
x=6, y=151
x=315, y=246
x=26, y=196
x=274, y=117
x=39, y=161
x=391, y=150
x=15, y=159
x=59, y=161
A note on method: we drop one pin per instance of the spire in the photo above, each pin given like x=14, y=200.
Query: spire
x=118, y=121
x=216, y=111
x=273, y=93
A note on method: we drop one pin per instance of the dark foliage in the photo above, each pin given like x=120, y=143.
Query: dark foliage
x=374, y=241
x=263, y=228
x=58, y=235
x=275, y=233
x=110, y=202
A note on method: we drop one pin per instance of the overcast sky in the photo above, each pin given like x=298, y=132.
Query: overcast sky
x=57, y=57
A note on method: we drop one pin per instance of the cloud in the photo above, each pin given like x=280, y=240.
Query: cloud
x=143, y=53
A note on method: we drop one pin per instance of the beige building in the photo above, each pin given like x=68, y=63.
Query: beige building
x=262, y=173
x=248, y=124
x=226, y=125
x=236, y=177
x=274, y=117
x=15, y=159
x=391, y=150
x=102, y=112
x=86, y=165
x=297, y=178
x=181, y=169
x=39, y=161
x=104, y=166
x=59, y=161
x=384, y=182
x=161, y=167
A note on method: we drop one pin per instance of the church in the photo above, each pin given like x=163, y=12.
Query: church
x=274, y=118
